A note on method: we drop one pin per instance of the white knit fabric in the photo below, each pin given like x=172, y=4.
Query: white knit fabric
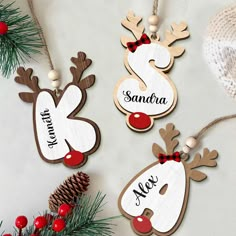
x=220, y=48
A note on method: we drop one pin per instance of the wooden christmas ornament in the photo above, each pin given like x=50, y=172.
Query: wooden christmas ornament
x=147, y=93
x=60, y=135
x=155, y=200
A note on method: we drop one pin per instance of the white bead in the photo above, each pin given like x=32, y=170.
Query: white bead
x=186, y=149
x=56, y=84
x=53, y=75
x=153, y=28
x=191, y=142
x=153, y=20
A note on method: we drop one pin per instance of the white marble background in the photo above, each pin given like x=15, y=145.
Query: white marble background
x=94, y=27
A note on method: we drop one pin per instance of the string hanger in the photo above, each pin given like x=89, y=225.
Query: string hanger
x=53, y=74
x=192, y=141
x=153, y=20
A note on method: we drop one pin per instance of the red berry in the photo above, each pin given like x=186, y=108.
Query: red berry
x=140, y=121
x=64, y=210
x=58, y=225
x=3, y=28
x=40, y=222
x=7, y=235
x=21, y=222
x=73, y=158
x=142, y=224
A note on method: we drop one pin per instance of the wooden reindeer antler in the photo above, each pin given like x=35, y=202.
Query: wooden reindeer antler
x=168, y=136
x=208, y=159
x=132, y=23
x=178, y=32
x=81, y=63
x=25, y=79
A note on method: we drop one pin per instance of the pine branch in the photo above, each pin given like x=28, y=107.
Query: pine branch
x=82, y=220
x=21, y=40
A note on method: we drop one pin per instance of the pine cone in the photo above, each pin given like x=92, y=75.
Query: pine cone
x=69, y=191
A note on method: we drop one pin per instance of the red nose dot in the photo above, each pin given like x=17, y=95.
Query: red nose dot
x=73, y=158
x=142, y=224
x=140, y=120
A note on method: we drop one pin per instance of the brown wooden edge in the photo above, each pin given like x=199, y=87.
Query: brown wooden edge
x=71, y=116
x=183, y=207
x=135, y=76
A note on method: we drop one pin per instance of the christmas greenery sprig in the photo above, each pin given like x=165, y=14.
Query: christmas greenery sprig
x=19, y=38
x=80, y=219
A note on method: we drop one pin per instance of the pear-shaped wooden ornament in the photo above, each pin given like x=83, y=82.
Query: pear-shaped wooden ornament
x=155, y=200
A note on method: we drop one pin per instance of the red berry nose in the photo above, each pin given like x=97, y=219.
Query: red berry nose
x=73, y=159
x=140, y=121
x=142, y=224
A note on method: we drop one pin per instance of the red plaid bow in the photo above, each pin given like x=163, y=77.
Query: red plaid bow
x=164, y=158
x=132, y=46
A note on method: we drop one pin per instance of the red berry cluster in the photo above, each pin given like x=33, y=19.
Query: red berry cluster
x=58, y=224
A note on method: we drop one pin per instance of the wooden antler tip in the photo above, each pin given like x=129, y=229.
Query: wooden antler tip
x=156, y=150
x=181, y=26
x=20, y=69
x=161, y=131
x=170, y=126
x=29, y=70
x=215, y=152
x=131, y=13
x=206, y=151
x=89, y=61
x=212, y=153
x=81, y=54
x=183, y=23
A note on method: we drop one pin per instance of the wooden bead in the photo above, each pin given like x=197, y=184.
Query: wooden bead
x=186, y=149
x=191, y=142
x=153, y=20
x=56, y=84
x=53, y=75
x=153, y=28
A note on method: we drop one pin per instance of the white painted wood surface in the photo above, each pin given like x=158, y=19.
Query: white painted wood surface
x=53, y=132
x=166, y=208
x=150, y=81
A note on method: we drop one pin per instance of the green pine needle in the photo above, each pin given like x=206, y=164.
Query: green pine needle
x=81, y=222
x=21, y=41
